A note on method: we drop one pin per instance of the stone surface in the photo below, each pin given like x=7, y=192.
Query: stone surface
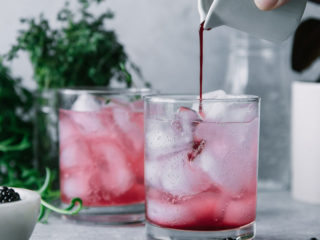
x=279, y=218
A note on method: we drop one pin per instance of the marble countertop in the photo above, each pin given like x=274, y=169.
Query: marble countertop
x=279, y=217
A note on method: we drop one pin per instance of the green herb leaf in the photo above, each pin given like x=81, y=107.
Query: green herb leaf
x=70, y=210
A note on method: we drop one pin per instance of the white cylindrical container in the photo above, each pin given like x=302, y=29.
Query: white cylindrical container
x=306, y=141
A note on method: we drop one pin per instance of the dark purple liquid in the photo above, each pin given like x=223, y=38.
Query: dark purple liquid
x=201, y=29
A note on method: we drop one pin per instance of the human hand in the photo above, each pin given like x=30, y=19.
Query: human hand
x=269, y=4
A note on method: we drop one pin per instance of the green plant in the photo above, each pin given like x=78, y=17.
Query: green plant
x=306, y=45
x=16, y=155
x=16, y=158
x=82, y=52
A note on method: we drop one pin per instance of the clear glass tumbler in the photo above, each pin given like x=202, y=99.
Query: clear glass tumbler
x=201, y=166
x=101, y=139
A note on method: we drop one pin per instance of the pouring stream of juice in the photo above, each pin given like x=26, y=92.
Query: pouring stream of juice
x=201, y=29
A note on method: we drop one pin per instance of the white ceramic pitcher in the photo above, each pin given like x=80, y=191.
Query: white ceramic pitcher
x=275, y=25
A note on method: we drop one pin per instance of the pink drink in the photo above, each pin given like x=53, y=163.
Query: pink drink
x=201, y=171
x=101, y=155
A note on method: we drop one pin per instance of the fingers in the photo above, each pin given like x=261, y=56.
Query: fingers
x=269, y=4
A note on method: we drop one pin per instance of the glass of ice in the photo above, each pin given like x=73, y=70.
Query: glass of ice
x=101, y=139
x=201, y=166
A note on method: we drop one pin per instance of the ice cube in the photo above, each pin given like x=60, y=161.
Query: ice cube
x=131, y=125
x=240, y=212
x=205, y=207
x=159, y=136
x=232, y=171
x=225, y=111
x=112, y=165
x=207, y=164
x=172, y=135
x=86, y=113
x=214, y=159
x=91, y=122
x=188, y=114
x=76, y=183
x=212, y=110
x=216, y=137
x=230, y=153
x=152, y=174
x=215, y=94
x=179, y=176
x=67, y=127
x=240, y=112
x=122, y=118
x=218, y=94
x=217, y=169
x=164, y=212
x=74, y=153
x=86, y=103
x=184, y=123
x=173, y=175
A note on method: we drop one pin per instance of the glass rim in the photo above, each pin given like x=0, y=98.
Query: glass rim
x=103, y=90
x=174, y=98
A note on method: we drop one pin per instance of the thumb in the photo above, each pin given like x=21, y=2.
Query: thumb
x=269, y=4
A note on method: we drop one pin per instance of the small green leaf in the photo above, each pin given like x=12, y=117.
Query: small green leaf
x=46, y=183
x=70, y=210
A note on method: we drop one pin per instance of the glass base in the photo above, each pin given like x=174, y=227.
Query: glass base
x=158, y=233
x=116, y=215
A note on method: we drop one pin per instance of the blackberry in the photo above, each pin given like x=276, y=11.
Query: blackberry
x=8, y=195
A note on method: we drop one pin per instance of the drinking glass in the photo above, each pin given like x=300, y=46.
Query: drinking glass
x=101, y=140
x=201, y=166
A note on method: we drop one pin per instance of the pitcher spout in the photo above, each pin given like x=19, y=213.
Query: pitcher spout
x=211, y=21
x=204, y=7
